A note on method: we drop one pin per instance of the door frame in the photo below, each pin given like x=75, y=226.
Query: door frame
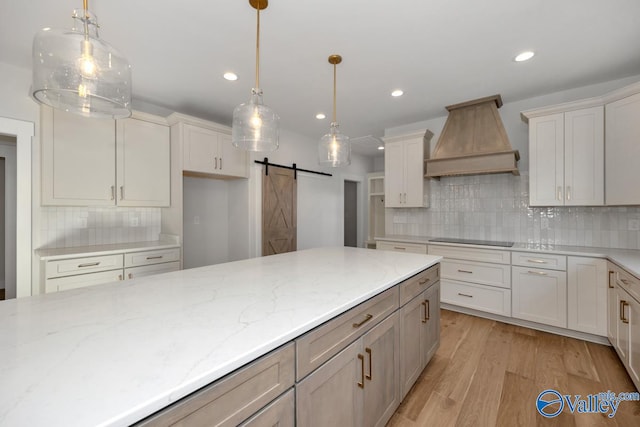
x=24, y=132
x=359, y=180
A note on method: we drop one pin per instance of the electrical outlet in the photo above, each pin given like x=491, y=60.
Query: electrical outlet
x=196, y=220
x=633, y=225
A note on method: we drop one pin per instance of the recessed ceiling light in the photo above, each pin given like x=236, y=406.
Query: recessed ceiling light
x=320, y=116
x=524, y=56
x=230, y=76
x=381, y=147
x=397, y=93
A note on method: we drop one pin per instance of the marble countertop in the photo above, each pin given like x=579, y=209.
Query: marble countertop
x=97, y=250
x=629, y=259
x=110, y=355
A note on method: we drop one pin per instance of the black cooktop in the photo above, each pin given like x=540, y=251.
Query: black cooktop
x=472, y=242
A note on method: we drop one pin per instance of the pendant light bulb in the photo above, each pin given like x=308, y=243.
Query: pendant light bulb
x=76, y=71
x=334, y=148
x=256, y=126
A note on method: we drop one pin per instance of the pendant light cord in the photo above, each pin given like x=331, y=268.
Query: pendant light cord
x=257, y=49
x=334, y=93
x=85, y=6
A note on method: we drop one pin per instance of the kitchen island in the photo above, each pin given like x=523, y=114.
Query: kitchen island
x=112, y=354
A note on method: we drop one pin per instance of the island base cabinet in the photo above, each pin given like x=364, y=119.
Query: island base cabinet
x=358, y=386
x=280, y=413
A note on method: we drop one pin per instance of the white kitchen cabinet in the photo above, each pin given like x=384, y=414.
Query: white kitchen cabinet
x=566, y=152
x=143, y=168
x=210, y=151
x=92, y=162
x=414, y=248
x=587, y=295
x=539, y=295
x=623, y=151
x=404, y=170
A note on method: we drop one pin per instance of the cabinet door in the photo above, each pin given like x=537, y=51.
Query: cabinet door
x=540, y=296
x=382, y=364
x=279, y=413
x=411, y=335
x=587, y=295
x=331, y=395
x=151, y=270
x=431, y=330
x=394, y=174
x=78, y=160
x=632, y=314
x=622, y=151
x=612, y=310
x=144, y=163
x=232, y=161
x=622, y=325
x=414, y=173
x=200, y=150
x=546, y=160
x=584, y=157
x=82, y=280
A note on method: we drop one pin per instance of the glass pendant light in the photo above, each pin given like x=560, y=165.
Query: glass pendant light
x=256, y=126
x=74, y=70
x=334, y=148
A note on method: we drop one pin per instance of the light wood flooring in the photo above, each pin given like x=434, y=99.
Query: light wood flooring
x=488, y=373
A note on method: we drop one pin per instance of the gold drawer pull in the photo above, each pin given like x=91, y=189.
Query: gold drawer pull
x=623, y=304
x=130, y=275
x=537, y=261
x=539, y=273
x=465, y=271
x=465, y=295
x=361, y=383
x=399, y=248
x=366, y=319
x=610, y=274
x=89, y=264
x=120, y=277
x=422, y=282
x=368, y=350
x=625, y=281
x=155, y=257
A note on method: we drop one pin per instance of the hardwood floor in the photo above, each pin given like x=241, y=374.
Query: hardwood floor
x=488, y=373
x=1, y=294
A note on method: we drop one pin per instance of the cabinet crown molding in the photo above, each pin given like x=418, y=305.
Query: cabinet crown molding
x=177, y=118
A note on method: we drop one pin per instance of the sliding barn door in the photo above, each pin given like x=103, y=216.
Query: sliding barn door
x=279, y=221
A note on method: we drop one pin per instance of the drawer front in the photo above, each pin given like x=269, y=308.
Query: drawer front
x=477, y=297
x=471, y=254
x=83, y=265
x=134, y=259
x=234, y=398
x=477, y=272
x=281, y=413
x=629, y=283
x=325, y=341
x=81, y=280
x=415, y=285
x=536, y=260
x=150, y=270
x=414, y=248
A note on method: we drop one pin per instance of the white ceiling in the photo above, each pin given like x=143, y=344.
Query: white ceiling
x=439, y=52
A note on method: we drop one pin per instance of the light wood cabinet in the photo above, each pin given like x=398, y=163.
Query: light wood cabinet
x=587, y=295
x=279, y=413
x=404, y=170
x=623, y=151
x=210, y=151
x=566, y=152
x=91, y=162
x=539, y=295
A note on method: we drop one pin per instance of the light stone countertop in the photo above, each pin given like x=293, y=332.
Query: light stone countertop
x=109, y=355
x=98, y=250
x=629, y=259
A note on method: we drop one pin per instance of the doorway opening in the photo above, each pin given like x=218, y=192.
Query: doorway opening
x=7, y=217
x=351, y=213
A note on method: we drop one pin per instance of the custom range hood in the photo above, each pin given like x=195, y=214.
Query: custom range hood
x=473, y=142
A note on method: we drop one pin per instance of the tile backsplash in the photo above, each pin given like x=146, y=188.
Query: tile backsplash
x=496, y=207
x=63, y=227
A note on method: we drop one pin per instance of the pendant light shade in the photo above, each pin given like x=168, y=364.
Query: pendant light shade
x=74, y=70
x=334, y=148
x=256, y=126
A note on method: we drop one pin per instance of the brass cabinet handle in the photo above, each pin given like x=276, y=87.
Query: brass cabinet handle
x=89, y=264
x=216, y=165
x=399, y=248
x=130, y=275
x=610, y=274
x=559, y=193
x=623, y=304
x=537, y=261
x=424, y=304
x=368, y=350
x=427, y=312
x=120, y=277
x=465, y=271
x=155, y=257
x=465, y=295
x=625, y=281
x=539, y=273
x=361, y=383
x=121, y=192
x=220, y=163
x=113, y=192
x=568, y=192
x=366, y=319
x=422, y=282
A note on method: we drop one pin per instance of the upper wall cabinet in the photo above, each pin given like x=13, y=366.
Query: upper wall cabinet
x=623, y=151
x=404, y=170
x=207, y=148
x=566, y=155
x=96, y=162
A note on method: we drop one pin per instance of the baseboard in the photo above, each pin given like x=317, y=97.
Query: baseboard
x=527, y=324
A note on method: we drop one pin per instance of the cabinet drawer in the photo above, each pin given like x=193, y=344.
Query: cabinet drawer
x=81, y=280
x=150, y=270
x=471, y=254
x=414, y=248
x=418, y=283
x=68, y=267
x=134, y=259
x=234, y=398
x=281, y=413
x=477, y=272
x=537, y=260
x=629, y=283
x=477, y=297
x=325, y=341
